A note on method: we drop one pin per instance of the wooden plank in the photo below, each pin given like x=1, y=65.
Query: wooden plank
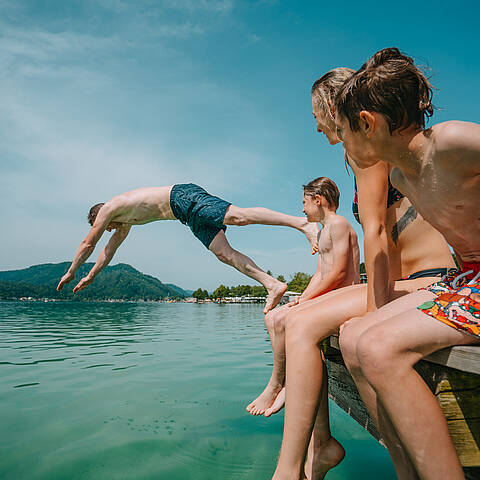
x=458, y=393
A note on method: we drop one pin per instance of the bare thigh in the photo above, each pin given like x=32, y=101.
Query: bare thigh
x=401, y=289
x=323, y=316
x=408, y=331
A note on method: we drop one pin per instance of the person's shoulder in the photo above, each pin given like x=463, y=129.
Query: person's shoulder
x=340, y=223
x=454, y=135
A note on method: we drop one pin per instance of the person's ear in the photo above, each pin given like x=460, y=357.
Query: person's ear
x=368, y=123
x=318, y=199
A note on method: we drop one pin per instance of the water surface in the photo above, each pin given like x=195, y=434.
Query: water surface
x=146, y=391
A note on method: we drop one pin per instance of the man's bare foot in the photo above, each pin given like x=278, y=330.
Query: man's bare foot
x=277, y=405
x=310, y=229
x=275, y=294
x=264, y=400
x=322, y=458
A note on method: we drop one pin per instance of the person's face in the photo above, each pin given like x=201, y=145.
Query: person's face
x=311, y=208
x=325, y=124
x=355, y=143
x=113, y=226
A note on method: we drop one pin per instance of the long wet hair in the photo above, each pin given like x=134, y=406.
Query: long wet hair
x=391, y=84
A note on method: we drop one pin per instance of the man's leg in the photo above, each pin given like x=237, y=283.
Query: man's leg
x=259, y=215
x=275, y=321
x=226, y=254
x=405, y=403
x=306, y=327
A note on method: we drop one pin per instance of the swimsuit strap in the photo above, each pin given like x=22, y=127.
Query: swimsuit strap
x=393, y=196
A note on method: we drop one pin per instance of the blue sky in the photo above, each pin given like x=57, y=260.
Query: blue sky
x=103, y=96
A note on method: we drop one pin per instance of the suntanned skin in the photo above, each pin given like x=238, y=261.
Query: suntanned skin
x=306, y=412
x=149, y=204
x=338, y=266
x=439, y=170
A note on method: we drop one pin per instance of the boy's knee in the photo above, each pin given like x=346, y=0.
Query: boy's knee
x=270, y=319
x=280, y=319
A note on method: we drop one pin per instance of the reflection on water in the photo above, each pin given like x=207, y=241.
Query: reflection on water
x=110, y=391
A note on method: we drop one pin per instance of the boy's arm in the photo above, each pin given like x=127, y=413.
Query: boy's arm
x=87, y=246
x=372, y=189
x=105, y=256
x=318, y=285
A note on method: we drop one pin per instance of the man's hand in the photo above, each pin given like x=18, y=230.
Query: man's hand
x=67, y=278
x=85, y=281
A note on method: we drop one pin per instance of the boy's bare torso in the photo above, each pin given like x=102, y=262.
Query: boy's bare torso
x=326, y=252
x=141, y=206
x=446, y=189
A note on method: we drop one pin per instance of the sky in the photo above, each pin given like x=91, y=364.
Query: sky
x=103, y=96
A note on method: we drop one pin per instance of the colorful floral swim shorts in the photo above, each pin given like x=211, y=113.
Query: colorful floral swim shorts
x=457, y=299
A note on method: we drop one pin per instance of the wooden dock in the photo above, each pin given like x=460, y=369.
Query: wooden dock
x=453, y=375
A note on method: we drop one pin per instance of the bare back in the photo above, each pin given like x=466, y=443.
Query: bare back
x=446, y=187
x=141, y=206
x=338, y=247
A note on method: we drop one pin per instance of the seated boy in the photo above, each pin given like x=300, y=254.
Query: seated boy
x=338, y=266
x=206, y=215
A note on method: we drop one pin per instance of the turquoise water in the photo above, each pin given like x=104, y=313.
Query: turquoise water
x=146, y=391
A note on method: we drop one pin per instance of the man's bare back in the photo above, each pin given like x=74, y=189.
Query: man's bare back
x=142, y=205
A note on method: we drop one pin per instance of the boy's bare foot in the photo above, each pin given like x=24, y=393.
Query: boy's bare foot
x=277, y=405
x=275, y=294
x=310, y=229
x=264, y=400
x=322, y=458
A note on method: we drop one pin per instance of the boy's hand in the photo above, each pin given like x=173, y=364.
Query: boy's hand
x=85, y=281
x=294, y=302
x=67, y=278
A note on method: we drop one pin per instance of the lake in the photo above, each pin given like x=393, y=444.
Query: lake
x=146, y=391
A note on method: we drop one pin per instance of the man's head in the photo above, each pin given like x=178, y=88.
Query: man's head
x=92, y=214
x=320, y=195
x=324, y=91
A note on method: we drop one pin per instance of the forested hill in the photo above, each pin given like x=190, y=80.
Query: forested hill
x=119, y=281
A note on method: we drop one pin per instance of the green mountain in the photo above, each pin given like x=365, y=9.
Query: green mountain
x=119, y=281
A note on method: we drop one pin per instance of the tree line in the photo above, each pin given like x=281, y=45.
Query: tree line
x=297, y=283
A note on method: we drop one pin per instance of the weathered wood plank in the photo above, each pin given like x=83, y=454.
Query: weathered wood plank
x=458, y=393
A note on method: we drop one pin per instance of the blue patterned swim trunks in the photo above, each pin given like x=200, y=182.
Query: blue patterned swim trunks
x=202, y=212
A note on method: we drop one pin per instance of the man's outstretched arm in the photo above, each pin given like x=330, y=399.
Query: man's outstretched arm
x=105, y=256
x=88, y=245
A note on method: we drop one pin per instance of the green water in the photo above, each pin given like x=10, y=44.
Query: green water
x=146, y=391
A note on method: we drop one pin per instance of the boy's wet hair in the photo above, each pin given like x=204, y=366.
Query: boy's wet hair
x=388, y=83
x=325, y=187
x=325, y=89
x=92, y=214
